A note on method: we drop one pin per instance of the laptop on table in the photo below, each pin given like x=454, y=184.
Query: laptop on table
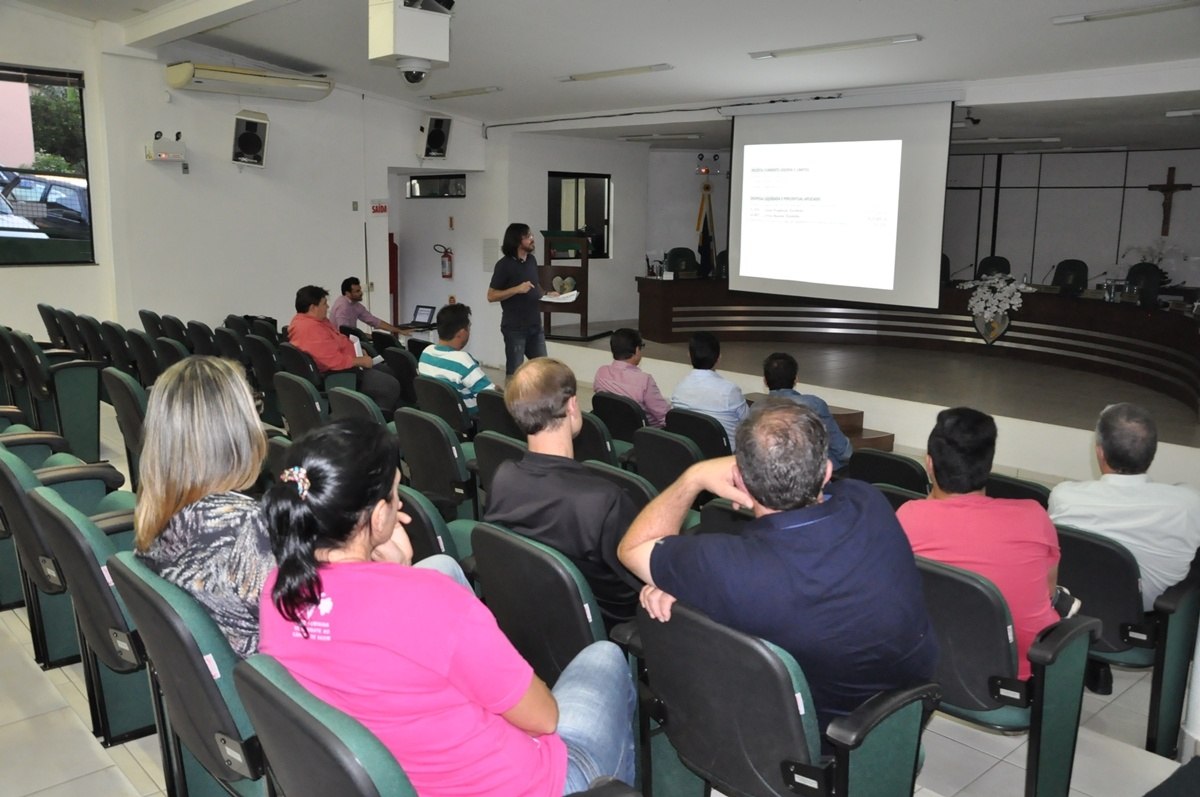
x=422, y=319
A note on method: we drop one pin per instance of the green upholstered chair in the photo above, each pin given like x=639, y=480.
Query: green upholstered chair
x=382, y=339
x=91, y=489
x=35, y=449
x=898, y=496
x=174, y=329
x=93, y=339
x=439, y=397
x=347, y=403
x=704, y=430
x=264, y=364
x=69, y=324
x=977, y=668
x=429, y=532
x=718, y=516
x=623, y=416
x=594, y=441
x=313, y=749
x=54, y=332
x=636, y=487
x=884, y=467
x=116, y=338
x=114, y=671
x=200, y=338
x=1104, y=575
x=663, y=456
x=1000, y=486
x=145, y=357
x=404, y=367
x=492, y=449
x=66, y=396
x=128, y=399
x=739, y=713
x=495, y=417
x=211, y=743
x=151, y=323
x=437, y=463
x=13, y=375
x=170, y=351
x=296, y=361
x=302, y=406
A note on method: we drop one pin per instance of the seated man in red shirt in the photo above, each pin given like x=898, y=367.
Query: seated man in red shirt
x=1010, y=542
x=311, y=331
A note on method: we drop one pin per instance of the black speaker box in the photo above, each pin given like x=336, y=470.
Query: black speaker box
x=435, y=136
x=250, y=138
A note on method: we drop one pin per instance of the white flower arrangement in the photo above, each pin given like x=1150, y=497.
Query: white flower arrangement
x=1155, y=252
x=995, y=294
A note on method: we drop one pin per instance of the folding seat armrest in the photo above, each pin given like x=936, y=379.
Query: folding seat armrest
x=52, y=440
x=1058, y=637
x=110, y=476
x=116, y=522
x=13, y=414
x=628, y=637
x=72, y=364
x=851, y=731
x=1166, y=603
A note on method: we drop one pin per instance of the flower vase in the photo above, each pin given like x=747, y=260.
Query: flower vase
x=991, y=330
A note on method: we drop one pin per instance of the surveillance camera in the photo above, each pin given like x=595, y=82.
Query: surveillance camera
x=414, y=70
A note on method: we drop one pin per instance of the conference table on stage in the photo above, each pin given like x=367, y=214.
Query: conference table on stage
x=1158, y=348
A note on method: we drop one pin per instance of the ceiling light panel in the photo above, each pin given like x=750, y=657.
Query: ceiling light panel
x=856, y=44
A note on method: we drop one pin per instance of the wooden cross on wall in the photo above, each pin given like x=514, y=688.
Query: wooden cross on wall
x=1168, y=190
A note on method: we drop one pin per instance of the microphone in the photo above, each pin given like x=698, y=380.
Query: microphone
x=1046, y=275
x=967, y=267
x=1101, y=274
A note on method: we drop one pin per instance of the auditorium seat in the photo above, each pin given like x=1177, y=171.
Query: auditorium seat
x=1071, y=276
x=992, y=264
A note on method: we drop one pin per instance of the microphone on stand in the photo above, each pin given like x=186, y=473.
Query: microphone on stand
x=1047, y=274
x=967, y=267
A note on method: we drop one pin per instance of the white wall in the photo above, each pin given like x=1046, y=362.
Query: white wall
x=1091, y=206
x=674, y=203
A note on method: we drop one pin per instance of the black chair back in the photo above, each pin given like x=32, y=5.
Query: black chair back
x=992, y=264
x=1145, y=279
x=384, y=340
x=1071, y=276
x=69, y=324
x=719, y=517
x=299, y=362
x=1000, y=486
x=1103, y=574
x=621, y=414
x=93, y=339
x=300, y=403
x=14, y=375
x=494, y=415
x=704, y=430
x=417, y=345
x=438, y=397
x=151, y=323
x=231, y=345
x=594, y=441
x=170, y=351
x=129, y=401
x=116, y=339
x=493, y=449
x=200, y=336
x=176, y=330
x=145, y=357
x=435, y=459
x=404, y=367
x=663, y=456
x=540, y=601
x=265, y=328
x=897, y=496
x=635, y=486
x=263, y=367
x=237, y=323
x=427, y=532
x=54, y=331
x=884, y=467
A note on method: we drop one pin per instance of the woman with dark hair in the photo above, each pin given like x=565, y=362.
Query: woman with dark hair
x=416, y=659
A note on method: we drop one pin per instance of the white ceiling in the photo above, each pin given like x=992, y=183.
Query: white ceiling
x=523, y=46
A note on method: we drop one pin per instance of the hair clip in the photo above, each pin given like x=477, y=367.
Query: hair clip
x=299, y=476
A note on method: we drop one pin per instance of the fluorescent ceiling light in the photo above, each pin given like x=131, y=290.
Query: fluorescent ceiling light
x=450, y=95
x=1177, y=114
x=1119, y=13
x=661, y=137
x=1116, y=148
x=1034, y=140
x=857, y=44
x=607, y=73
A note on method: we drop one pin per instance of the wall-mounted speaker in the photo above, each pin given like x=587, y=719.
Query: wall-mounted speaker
x=434, y=137
x=250, y=138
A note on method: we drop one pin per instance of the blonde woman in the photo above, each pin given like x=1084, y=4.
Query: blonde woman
x=203, y=442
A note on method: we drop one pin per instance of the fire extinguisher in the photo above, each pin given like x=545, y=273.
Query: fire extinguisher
x=447, y=260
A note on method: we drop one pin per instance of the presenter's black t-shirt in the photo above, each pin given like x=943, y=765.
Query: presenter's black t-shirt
x=521, y=310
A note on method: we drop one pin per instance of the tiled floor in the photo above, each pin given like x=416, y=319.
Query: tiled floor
x=46, y=747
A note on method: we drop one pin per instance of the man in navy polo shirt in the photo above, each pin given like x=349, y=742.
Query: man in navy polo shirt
x=515, y=285
x=824, y=571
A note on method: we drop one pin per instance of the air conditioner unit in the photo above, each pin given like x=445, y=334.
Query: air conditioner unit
x=246, y=82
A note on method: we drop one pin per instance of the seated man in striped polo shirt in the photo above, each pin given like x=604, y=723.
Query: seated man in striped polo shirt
x=449, y=361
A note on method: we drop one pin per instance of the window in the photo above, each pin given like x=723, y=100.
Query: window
x=45, y=209
x=437, y=186
x=581, y=202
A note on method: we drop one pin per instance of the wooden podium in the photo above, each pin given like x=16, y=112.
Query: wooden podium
x=557, y=243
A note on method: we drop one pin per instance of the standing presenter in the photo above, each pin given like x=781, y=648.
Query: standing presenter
x=515, y=285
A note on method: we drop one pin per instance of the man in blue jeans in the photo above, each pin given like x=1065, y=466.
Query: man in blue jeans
x=515, y=285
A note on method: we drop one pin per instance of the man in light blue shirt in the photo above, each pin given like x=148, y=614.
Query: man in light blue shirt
x=704, y=390
x=779, y=375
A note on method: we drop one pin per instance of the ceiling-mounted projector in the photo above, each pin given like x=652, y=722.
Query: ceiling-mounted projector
x=413, y=39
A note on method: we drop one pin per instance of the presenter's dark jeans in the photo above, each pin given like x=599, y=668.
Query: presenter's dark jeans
x=521, y=343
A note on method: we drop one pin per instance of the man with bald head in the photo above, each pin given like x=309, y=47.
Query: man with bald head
x=555, y=500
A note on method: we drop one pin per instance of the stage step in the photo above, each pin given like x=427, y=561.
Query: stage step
x=848, y=420
x=873, y=438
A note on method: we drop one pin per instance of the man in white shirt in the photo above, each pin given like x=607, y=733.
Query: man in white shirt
x=1158, y=523
x=704, y=390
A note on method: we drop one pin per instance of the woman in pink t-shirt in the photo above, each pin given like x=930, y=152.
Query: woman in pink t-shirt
x=414, y=656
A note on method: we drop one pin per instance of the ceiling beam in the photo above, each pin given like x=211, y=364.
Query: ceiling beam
x=184, y=18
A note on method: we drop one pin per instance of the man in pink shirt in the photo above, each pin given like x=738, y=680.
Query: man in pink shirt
x=311, y=331
x=1010, y=542
x=349, y=310
x=624, y=378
